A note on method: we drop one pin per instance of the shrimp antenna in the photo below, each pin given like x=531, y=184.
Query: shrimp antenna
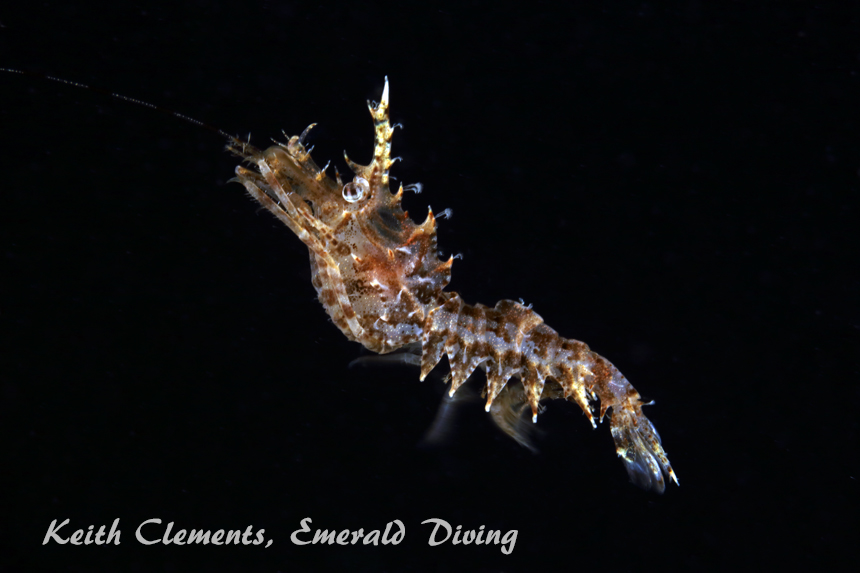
x=132, y=100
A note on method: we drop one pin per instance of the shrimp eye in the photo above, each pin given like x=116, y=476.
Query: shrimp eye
x=356, y=190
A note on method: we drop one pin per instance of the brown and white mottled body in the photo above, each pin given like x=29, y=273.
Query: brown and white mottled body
x=378, y=275
x=512, y=341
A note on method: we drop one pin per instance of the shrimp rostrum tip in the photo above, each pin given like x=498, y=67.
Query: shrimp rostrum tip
x=380, y=279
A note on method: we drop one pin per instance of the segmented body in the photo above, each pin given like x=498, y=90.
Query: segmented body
x=378, y=275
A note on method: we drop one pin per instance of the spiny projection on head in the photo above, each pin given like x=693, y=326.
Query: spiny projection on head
x=380, y=279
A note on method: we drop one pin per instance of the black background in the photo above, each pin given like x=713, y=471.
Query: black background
x=677, y=185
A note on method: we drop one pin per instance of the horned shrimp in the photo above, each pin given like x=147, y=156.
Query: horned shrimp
x=380, y=279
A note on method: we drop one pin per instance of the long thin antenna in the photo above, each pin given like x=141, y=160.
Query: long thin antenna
x=157, y=108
